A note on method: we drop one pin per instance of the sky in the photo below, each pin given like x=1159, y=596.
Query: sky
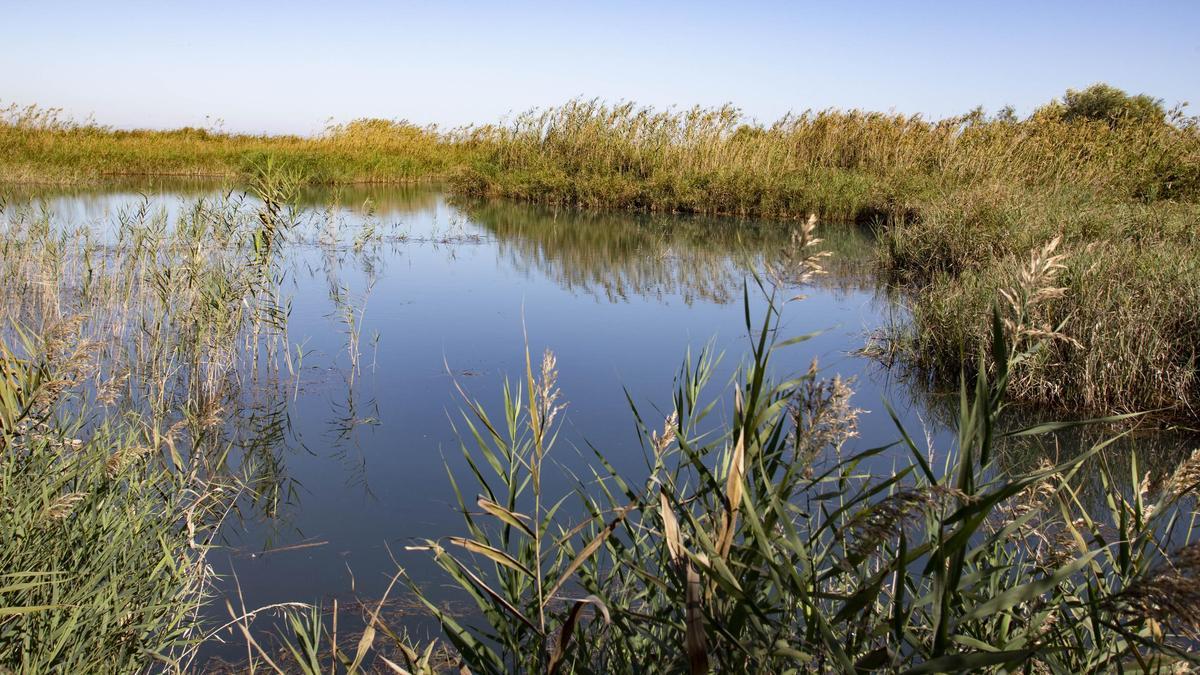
x=291, y=67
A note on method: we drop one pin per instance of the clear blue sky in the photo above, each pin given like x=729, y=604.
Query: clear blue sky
x=287, y=67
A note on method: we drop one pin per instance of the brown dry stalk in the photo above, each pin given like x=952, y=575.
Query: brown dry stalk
x=882, y=520
x=62, y=506
x=1168, y=593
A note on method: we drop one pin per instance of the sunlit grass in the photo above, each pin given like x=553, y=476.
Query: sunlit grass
x=39, y=145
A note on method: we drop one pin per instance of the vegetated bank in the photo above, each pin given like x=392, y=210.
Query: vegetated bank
x=959, y=202
x=41, y=145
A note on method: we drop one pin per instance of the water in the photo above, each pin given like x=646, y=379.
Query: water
x=450, y=295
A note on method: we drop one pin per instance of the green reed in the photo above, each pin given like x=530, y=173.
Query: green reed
x=139, y=405
x=102, y=562
x=771, y=546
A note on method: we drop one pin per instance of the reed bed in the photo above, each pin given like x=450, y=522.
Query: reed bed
x=838, y=164
x=766, y=541
x=40, y=145
x=141, y=371
x=1126, y=313
x=102, y=563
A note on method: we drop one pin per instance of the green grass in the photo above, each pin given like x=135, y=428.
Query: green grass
x=1131, y=282
x=98, y=569
x=40, y=146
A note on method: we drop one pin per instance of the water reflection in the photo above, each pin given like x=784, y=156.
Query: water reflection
x=1136, y=449
x=610, y=256
x=388, y=200
x=89, y=202
x=615, y=256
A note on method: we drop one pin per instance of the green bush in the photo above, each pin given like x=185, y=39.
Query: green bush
x=1109, y=104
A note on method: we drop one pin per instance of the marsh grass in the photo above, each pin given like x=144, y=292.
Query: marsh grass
x=41, y=145
x=1128, y=313
x=142, y=373
x=87, y=514
x=839, y=164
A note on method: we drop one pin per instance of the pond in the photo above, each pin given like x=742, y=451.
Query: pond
x=403, y=298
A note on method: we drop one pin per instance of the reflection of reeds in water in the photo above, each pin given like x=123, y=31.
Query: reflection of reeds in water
x=619, y=256
x=186, y=317
x=384, y=200
x=98, y=204
x=145, y=404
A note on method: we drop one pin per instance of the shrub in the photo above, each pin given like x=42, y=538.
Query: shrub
x=1108, y=104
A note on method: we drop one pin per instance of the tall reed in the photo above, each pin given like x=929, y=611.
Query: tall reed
x=771, y=545
x=840, y=164
x=140, y=373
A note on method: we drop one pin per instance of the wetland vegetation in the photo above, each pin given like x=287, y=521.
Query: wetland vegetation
x=163, y=384
x=958, y=204
x=134, y=362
